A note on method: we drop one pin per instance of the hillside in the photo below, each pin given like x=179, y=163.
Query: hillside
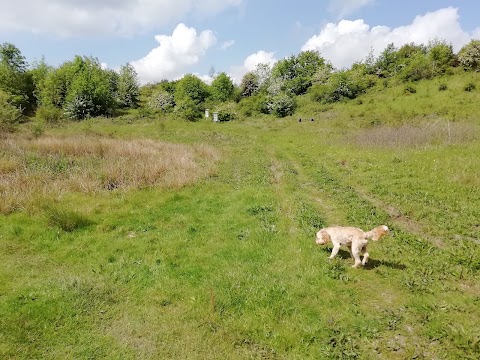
x=214, y=256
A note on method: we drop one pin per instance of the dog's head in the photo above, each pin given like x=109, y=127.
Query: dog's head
x=322, y=237
x=378, y=232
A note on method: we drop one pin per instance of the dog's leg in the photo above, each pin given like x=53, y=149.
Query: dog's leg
x=356, y=256
x=349, y=249
x=365, y=255
x=335, y=249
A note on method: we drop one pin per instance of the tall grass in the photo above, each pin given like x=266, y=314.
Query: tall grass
x=49, y=166
x=416, y=135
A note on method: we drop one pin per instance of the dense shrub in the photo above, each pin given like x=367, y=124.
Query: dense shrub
x=469, y=56
x=50, y=114
x=80, y=107
x=281, y=105
x=187, y=109
x=347, y=84
x=161, y=100
x=442, y=87
x=250, y=84
x=10, y=115
x=253, y=105
x=126, y=87
x=409, y=89
x=81, y=87
x=418, y=67
x=470, y=87
x=227, y=112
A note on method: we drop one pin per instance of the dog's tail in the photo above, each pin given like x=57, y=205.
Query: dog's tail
x=377, y=233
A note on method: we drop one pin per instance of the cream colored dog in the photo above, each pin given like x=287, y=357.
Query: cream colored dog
x=353, y=238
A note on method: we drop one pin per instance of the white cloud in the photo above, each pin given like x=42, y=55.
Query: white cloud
x=250, y=63
x=476, y=34
x=346, y=7
x=347, y=41
x=174, y=55
x=102, y=17
x=227, y=44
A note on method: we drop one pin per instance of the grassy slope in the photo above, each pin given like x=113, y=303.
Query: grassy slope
x=227, y=268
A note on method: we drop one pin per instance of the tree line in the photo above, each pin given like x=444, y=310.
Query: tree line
x=81, y=88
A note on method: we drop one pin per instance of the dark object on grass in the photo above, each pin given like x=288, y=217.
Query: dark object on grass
x=311, y=119
x=300, y=120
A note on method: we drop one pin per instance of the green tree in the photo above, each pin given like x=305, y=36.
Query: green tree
x=441, y=56
x=11, y=57
x=81, y=87
x=469, y=56
x=298, y=71
x=128, y=87
x=264, y=74
x=39, y=72
x=387, y=63
x=250, y=84
x=14, y=78
x=418, y=67
x=222, y=87
x=10, y=115
x=190, y=87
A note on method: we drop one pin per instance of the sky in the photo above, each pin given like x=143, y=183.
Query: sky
x=165, y=39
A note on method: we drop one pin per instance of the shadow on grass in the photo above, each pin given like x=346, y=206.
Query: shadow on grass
x=342, y=254
x=372, y=263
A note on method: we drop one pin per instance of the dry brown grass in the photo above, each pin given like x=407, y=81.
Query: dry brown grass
x=50, y=166
x=423, y=134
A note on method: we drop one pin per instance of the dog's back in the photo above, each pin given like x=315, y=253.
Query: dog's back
x=339, y=234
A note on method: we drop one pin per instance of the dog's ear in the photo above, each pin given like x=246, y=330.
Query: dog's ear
x=322, y=237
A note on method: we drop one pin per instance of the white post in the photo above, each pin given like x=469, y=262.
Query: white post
x=207, y=113
x=215, y=117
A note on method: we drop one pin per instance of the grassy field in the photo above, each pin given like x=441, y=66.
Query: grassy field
x=163, y=239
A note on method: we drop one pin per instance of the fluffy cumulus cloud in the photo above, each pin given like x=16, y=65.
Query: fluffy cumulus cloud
x=174, y=54
x=346, y=42
x=101, y=17
x=346, y=7
x=250, y=63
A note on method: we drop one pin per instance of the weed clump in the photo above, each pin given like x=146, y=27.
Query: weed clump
x=409, y=89
x=470, y=87
x=66, y=220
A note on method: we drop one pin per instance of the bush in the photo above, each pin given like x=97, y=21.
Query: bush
x=227, y=112
x=282, y=105
x=66, y=220
x=469, y=56
x=442, y=87
x=79, y=108
x=50, y=114
x=188, y=110
x=419, y=67
x=469, y=87
x=342, y=85
x=162, y=100
x=10, y=115
x=409, y=89
x=253, y=105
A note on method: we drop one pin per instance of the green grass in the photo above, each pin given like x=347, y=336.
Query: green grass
x=227, y=268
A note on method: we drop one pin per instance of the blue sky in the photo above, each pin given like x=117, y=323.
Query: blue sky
x=166, y=39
